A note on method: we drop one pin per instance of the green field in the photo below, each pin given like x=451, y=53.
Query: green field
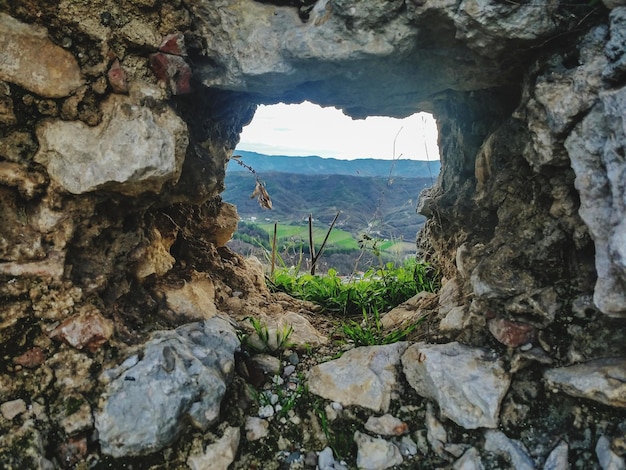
x=299, y=235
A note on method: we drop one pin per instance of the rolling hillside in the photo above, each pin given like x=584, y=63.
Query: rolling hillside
x=330, y=166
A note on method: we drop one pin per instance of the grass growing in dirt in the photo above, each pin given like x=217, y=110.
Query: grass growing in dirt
x=377, y=291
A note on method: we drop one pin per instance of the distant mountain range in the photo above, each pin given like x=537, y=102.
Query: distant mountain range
x=300, y=186
x=314, y=165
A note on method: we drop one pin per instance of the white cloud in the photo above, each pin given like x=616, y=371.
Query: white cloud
x=308, y=129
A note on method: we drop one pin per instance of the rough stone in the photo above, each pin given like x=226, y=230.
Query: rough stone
x=303, y=333
x=363, y=376
x=594, y=145
x=194, y=300
x=409, y=312
x=386, y=425
x=13, y=408
x=155, y=258
x=558, y=458
x=602, y=380
x=87, y=329
x=83, y=159
x=467, y=383
x=498, y=443
x=375, y=453
x=32, y=61
x=608, y=459
x=184, y=372
x=511, y=333
x=218, y=455
x=436, y=434
x=470, y=460
x=117, y=78
x=32, y=358
x=28, y=183
x=256, y=428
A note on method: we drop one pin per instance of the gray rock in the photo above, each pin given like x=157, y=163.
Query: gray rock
x=363, y=376
x=269, y=364
x=219, y=455
x=608, y=459
x=386, y=425
x=181, y=378
x=470, y=460
x=594, y=147
x=326, y=461
x=407, y=446
x=467, y=383
x=498, y=443
x=602, y=380
x=54, y=74
x=558, y=458
x=81, y=158
x=375, y=453
x=435, y=432
x=256, y=428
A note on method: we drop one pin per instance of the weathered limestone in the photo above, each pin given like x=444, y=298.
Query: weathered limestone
x=135, y=149
x=54, y=75
x=375, y=453
x=183, y=373
x=602, y=380
x=218, y=455
x=467, y=383
x=364, y=376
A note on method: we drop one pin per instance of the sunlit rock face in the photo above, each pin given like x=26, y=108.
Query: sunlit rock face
x=118, y=118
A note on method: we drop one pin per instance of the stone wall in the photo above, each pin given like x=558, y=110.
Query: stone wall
x=117, y=120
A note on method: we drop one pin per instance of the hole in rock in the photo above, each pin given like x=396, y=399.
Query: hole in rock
x=317, y=162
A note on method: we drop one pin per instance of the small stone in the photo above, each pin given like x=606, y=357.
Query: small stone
x=558, y=458
x=173, y=70
x=386, y=425
x=117, y=78
x=408, y=447
x=174, y=44
x=363, y=376
x=90, y=330
x=219, y=455
x=608, y=459
x=256, y=428
x=435, y=432
x=469, y=461
x=311, y=459
x=467, y=383
x=602, y=380
x=288, y=370
x=293, y=359
x=326, y=460
x=270, y=365
x=511, y=333
x=32, y=358
x=266, y=411
x=498, y=443
x=375, y=453
x=13, y=408
x=73, y=450
x=31, y=60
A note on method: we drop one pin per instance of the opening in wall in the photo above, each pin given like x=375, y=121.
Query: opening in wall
x=315, y=162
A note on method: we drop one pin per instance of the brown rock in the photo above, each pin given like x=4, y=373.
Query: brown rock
x=89, y=330
x=30, y=359
x=32, y=61
x=512, y=333
x=73, y=450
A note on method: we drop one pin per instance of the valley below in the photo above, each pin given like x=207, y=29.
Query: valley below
x=377, y=220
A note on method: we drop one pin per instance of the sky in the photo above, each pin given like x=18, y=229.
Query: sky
x=308, y=129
